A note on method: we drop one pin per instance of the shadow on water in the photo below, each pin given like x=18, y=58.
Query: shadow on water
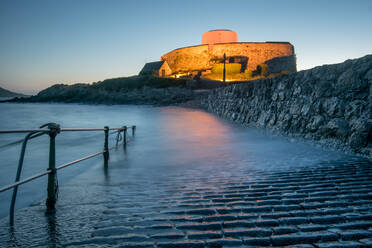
x=106, y=173
x=13, y=242
x=52, y=230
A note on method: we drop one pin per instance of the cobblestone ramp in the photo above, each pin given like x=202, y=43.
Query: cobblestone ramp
x=329, y=205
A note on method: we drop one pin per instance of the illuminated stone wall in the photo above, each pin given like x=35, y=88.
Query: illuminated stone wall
x=202, y=58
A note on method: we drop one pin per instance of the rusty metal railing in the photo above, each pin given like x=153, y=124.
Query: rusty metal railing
x=53, y=129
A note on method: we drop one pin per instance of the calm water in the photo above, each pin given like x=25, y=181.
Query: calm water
x=167, y=137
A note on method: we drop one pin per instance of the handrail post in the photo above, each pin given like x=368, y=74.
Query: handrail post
x=106, y=154
x=54, y=129
x=133, y=130
x=118, y=137
x=125, y=137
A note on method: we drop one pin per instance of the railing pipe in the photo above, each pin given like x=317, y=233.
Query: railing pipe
x=13, y=185
x=18, y=175
x=81, y=129
x=26, y=180
x=79, y=160
x=61, y=130
x=23, y=131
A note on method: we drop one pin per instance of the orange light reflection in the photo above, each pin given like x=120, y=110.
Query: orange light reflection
x=197, y=133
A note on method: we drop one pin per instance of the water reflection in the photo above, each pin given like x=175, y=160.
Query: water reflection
x=106, y=173
x=13, y=237
x=52, y=230
x=198, y=134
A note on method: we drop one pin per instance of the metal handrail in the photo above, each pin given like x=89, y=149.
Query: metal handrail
x=63, y=130
x=53, y=130
x=19, y=169
x=13, y=185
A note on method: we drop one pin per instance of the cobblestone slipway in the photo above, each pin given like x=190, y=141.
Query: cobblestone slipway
x=322, y=206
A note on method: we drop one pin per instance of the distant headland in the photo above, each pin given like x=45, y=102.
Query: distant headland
x=7, y=93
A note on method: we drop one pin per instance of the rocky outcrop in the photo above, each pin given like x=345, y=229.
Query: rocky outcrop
x=87, y=95
x=127, y=90
x=331, y=104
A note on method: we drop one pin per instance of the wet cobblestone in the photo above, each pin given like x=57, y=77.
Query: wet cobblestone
x=321, y=206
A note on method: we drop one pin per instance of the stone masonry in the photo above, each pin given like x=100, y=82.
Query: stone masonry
x=200, y=57
x=331, y=104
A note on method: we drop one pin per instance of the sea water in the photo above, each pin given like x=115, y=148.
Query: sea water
x=167, y=138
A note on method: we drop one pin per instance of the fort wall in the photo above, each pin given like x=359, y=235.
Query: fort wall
x=202, y=58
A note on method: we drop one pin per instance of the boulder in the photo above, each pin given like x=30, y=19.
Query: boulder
x=338, y=128
x=315, y=123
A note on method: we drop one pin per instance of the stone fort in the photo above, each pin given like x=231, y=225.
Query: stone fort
x=278, y=56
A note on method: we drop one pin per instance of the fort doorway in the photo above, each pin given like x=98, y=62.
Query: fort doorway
x=243, y=60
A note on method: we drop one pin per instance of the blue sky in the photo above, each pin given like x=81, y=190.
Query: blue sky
x=79, y=41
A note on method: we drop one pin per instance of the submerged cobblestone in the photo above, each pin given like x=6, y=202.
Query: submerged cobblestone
x=321, y=206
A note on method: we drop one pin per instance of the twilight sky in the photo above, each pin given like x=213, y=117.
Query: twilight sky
x=81, y=41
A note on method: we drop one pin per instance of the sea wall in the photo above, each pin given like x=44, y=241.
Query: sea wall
x=331, y=104
x=202, y=58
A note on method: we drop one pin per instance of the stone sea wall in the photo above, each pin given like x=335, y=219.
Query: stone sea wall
x=331, y=104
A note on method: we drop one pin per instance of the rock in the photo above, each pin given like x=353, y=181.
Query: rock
x=350, y=83
x=323, y=88
x=315, y=123
x=357, y=140
x=334, y=107
x=272, y=120
x=368, y=75
x=282, y=96
x=336, y=128
x=362, y=133
x=274, y=97
x=286, y=121
x=305, y=109
x=295, y=108
x=263, y=119
x=353, y=109
x=297, y=91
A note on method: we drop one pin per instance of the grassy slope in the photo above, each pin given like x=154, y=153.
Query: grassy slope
x=136, y=89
